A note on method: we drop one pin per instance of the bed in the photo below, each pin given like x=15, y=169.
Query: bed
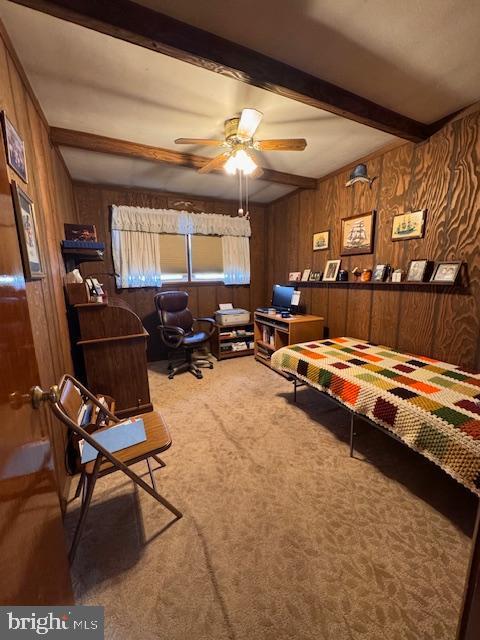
x=431, y=406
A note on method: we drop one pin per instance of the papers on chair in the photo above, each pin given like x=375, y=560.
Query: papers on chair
x=115, y=438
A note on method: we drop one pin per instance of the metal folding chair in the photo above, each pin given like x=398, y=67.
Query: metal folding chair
x=64, y=403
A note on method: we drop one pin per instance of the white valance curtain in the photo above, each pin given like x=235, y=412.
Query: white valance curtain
x=136, y=242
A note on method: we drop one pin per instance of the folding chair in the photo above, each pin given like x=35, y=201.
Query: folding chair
x=65, y=405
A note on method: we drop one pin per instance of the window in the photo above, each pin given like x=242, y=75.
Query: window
x=206, y=258
x=173, y=257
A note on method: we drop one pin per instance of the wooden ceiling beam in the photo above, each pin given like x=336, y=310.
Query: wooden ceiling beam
x=102, y=144
x=142, y=26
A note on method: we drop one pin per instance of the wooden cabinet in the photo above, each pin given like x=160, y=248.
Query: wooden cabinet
x=111, y=342
x=274, y=332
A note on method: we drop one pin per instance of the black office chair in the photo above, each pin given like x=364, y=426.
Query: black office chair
x=177, y=331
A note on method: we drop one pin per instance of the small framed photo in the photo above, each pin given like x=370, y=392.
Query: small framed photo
x=418, y=270
x=294, y=276
x=407, y=226
x=306, y=275
x=14, y=147
x=27, y=233
x=446, y=272
x=379, y=273
x=331, y=270
x=321, y=240
x=315, y=276
x=80, y=232
x=358, y=234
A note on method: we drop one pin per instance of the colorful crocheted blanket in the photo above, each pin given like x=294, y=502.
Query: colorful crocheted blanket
x=432, y=406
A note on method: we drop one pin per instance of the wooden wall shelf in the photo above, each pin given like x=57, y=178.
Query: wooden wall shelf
x=373, y=283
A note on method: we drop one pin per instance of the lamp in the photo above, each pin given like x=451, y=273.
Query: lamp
x=359, y=174
x=242, y=163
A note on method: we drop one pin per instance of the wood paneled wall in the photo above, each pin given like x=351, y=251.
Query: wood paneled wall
x=51, y=190
x=93, y=204
x=441, y=175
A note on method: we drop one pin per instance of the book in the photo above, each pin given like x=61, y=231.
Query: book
x=115, y=438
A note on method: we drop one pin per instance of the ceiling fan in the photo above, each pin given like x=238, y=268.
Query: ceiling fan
x=240, y=146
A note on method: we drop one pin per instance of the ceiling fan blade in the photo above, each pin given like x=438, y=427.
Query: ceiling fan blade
x=289, y=144
x=249, y=121
x=215, y=163
x=202, y=141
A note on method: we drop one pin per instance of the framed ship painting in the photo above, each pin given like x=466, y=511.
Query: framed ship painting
x=358, y=234
x=407, y=226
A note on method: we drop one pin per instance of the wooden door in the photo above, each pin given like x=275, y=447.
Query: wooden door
x=33, y=560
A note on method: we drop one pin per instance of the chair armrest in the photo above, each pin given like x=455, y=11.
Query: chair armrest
x=171, y=336
x=210, y=321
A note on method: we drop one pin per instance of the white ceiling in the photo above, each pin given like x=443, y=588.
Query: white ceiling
x=418, y=57
x=391, y=52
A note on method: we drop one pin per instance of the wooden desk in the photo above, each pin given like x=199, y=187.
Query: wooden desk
x=113, y=341
x=274, y=332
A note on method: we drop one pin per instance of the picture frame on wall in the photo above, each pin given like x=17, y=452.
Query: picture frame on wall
x=410, y=225
x=358, y=233
x=27, y=234
x=14, y=148
x=446, y=272
x=332, y=268
x=321, y=240
x=418, y=270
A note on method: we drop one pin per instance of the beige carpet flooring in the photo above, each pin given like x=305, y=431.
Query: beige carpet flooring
x=283, y=535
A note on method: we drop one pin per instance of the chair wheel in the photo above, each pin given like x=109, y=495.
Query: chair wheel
x=199, y=374
x=211, y=366
x=170, y=377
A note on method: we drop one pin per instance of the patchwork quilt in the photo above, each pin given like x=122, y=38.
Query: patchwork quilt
x=432, y=406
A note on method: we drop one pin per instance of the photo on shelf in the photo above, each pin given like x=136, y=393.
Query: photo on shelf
x=446, y=272
x=417, y=270
x=295, y=276
x=306, y=275
x=331, y=270
x=379, y=273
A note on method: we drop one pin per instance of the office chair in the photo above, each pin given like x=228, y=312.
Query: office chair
x=177, y=331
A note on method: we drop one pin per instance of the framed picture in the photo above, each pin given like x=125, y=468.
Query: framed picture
x=27, y=234
x=295, y=276
x=446, y=272
x=306, y=275
x=358, y=234
x=379, y=273
x=80, y=232
x=331, y=270
x=315, y=276
x=417, y=270
x=409, y=225
x=14, y=147
x=321, y=240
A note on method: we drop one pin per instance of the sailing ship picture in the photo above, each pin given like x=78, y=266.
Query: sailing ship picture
x=409, y=225
x=357, y=234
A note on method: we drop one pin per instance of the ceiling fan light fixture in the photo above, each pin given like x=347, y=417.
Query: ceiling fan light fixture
x=240, y=161
x=248, y=123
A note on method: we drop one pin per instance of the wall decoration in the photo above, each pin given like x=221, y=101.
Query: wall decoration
x=15, y=148
x=418, y=270
x=358, y=234
x=306, y=275
x=331, y=270
x=379, y=273
x=27, y=234
x=409, y=225
x=446, y=272
x=397, y=275
x=366, y=275
x=321, y=240
x=360, y=174
x=80, y=232
x=295, y=276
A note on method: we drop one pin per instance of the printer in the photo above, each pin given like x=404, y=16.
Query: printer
x=226, y=317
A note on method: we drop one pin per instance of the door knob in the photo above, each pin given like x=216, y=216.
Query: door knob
x=35, y=397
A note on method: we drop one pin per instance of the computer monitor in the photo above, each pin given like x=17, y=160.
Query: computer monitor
x=282, y=296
